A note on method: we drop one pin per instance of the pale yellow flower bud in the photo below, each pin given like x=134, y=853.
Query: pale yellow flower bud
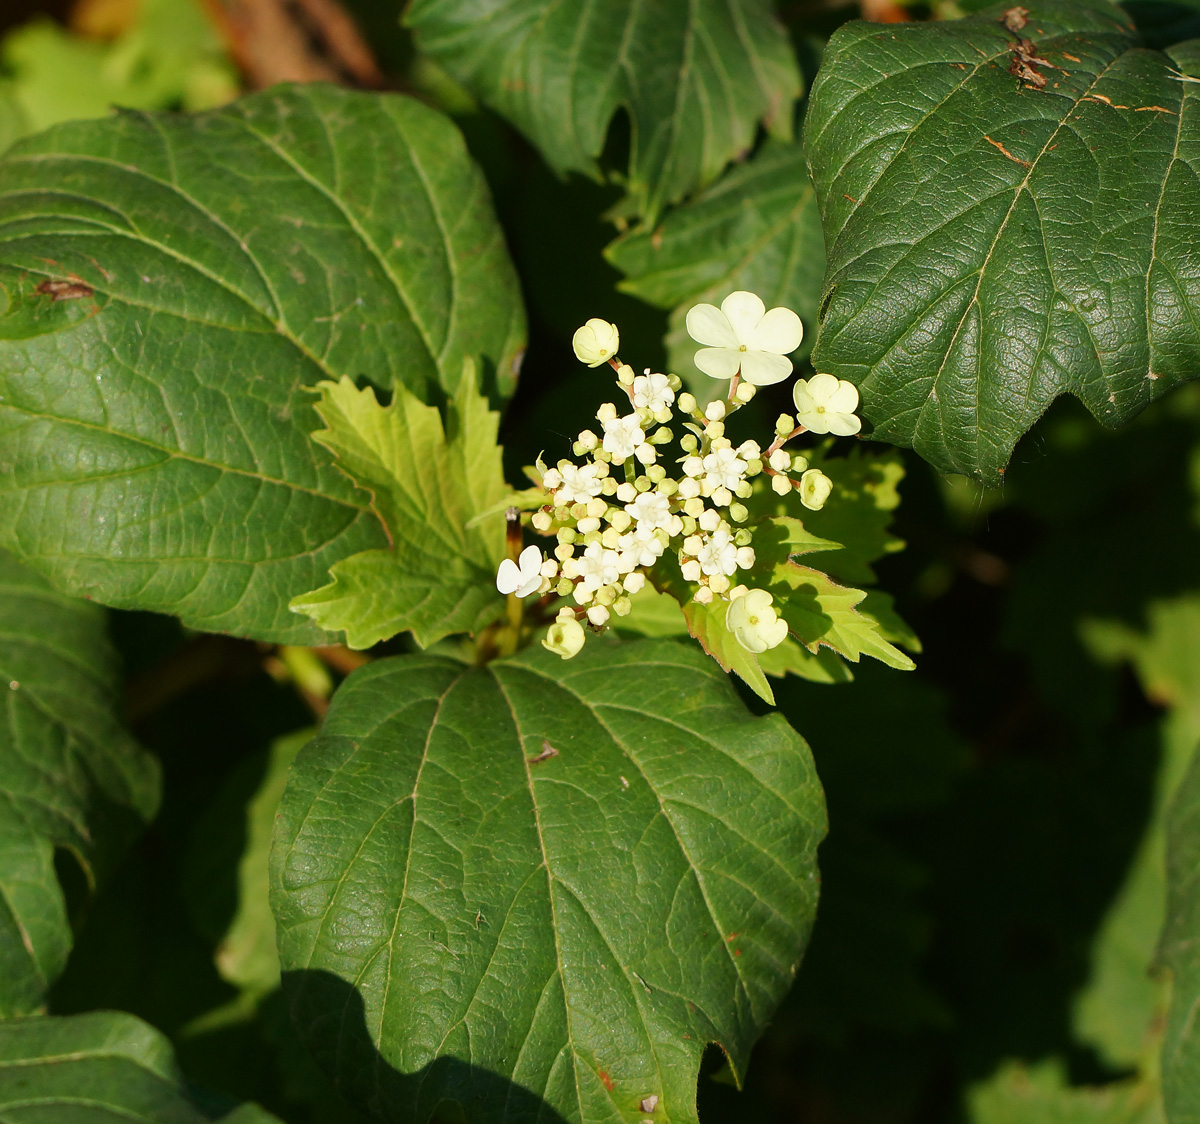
x=781, y=485
x=596, y=342
x=541, y=521
x=745, y=391
x=715, y=410
x=815, y=488
x=704, y=596
x=598, y=615
x=687, y=403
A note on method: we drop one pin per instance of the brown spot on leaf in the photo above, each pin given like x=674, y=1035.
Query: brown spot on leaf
x=1015, y=19
x=548, y=751
x=608, y=1082
x=64, y=290
x=1014, y=159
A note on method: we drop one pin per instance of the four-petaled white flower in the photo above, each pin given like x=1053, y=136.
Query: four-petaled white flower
x=652, y=392
x=825, y=404
x=754, y=622
x=723, y=469
x=596, y=342
x=622, y=436
x=598, y=566
x=578, y=484
x=651, y=509
x=719, y=554
x=523, y=576
x=742, y=335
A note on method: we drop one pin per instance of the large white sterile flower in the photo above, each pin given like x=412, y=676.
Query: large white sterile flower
x=752, y=619
x=523, y=576
x=825, y=404
x=743, y=335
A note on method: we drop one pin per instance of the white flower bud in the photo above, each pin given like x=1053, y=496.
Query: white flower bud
x=607, y=412
x=781, y=485
x=745, y=558
x=710, y=520
x=549, y=568
x=694, y=507
x=780, y=460
x=610, y=537
x=715, y=410
x=714, y=429
x=588, y=440
x=596, y=342
x=582, y=594
x=749, y=450
x=541, y=521
x=693, y=466
x=688, y=489
x=645, y=453
x=743, y=537
x=667, y=486
x=608, y=486
x=745, y=391
x=634, y=582
x=661, y=436
x=691, y=571
x=687, y=526
x=656, y=473
x=687, y=403
x=718, y=583
x=597, y=508
x=737, y=591
x=620, y=520
x=565, y=637
x=625, y=375
x=704, y=596
x=564, y=553
x=587, y=525
x=722, y=497
x=626, y=492
x=693, y=544
x=598, y=615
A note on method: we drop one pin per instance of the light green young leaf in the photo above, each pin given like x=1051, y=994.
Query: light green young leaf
x=161, y=326
x=97, y=1068
x=1179, y=951
x=538, y=889
x=792, y=658
x=696, y=80
x=71, y=777
x=994, y=243
x=757, y=228
x=1043, y=1094
x=429, y=481
x=707, y=624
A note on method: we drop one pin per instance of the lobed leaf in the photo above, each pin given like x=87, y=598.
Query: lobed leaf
x=71, y=777
x=429, y=484
x=695, y=79
x=171, y=288
x=994, y=243
x=97, y=1068
x=540, y=888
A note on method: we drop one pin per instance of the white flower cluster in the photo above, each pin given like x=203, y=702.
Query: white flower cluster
x=620, y=512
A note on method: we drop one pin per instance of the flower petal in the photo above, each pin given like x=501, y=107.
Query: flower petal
x=822, y=388
x=530, y=561
x=719, y=362
x=803, y=400
x=743, y=311
x=845, y=399
x=708, y=325
x=530, y=585
x=779, y=331
x=508, y=577
x=762, y=368
x=843, y=425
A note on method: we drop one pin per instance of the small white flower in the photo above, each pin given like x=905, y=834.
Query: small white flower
x=742, y=335
x=825, y=404
x=523, y=576
x=754, y=622
x=633, y=582
x=598, y=615
x=688, y=489
x=578, y=484
x=690, y=570
x=651, y=509
x=639, y=547
x=622, y=436
x=745, y=557
x=815, y=487
x=723, y=469
x=565, y=636
x=780, y=460
x=653, y=393
x=596, y=342
x=719, y=554
x=703, y=596
x=598, y=567
x=710, y=520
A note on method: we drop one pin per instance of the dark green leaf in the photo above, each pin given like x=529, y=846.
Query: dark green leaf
x=993, y=244
x=95, y=1069
x=71, y=778
x=197, y=275
x=696, y=79
x=547, y=878
x=757, y=228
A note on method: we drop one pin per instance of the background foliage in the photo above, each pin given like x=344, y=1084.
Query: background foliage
x=1008, y=884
